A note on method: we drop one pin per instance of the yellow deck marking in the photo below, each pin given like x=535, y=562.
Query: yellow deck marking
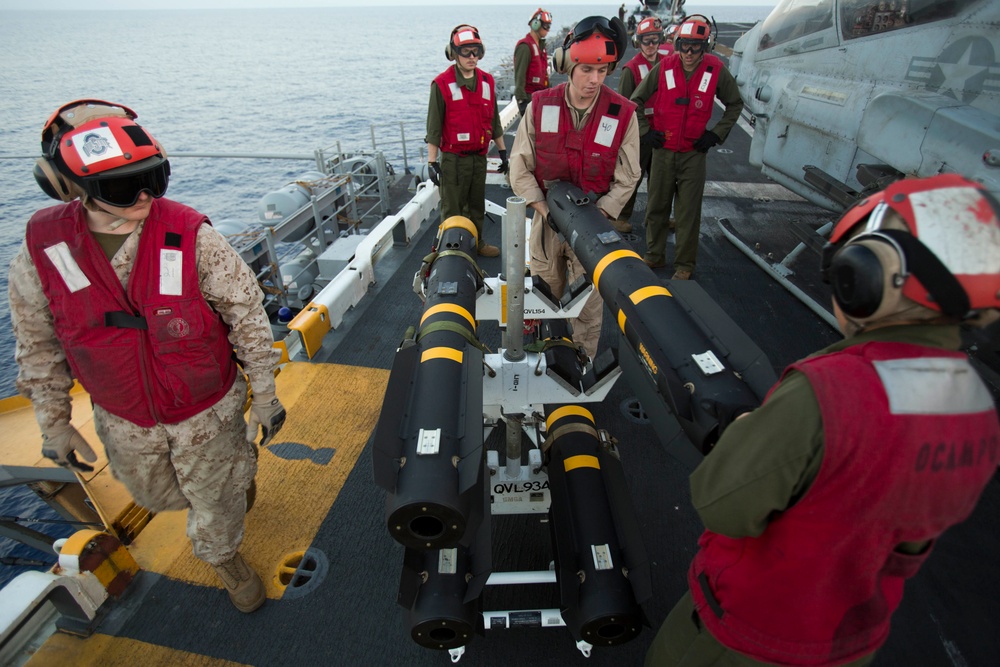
x=101, y=650
x=293, y=497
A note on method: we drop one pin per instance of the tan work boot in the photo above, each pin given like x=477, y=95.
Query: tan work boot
x=622, y=226
x=487, y=250
x=680, y=274
x=654, y=264
x=245, y=588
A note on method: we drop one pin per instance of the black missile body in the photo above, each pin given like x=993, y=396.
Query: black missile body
x=601, y=565
x=683, y=356
x=428, y=446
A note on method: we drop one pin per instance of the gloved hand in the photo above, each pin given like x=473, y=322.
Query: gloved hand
x=435, y=173
x=727, y=413
x=652, y=139
x=504, y=163
x=551, y=223
x=706, y=141
x=267, y=412
x=61, y=443
x=522, y=105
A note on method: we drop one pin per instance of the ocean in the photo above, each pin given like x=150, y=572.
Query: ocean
x=261, y=81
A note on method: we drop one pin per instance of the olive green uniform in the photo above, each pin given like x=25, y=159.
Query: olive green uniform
x=762, y=464
x=463, y=177
x=681, y=174
x=626, y=86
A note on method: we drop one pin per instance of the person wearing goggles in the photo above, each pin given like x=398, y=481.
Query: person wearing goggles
x=647, y=38
x=680, y=92
x=142, y=301
x=583, y=133
x=462, y=122
x=531, y=61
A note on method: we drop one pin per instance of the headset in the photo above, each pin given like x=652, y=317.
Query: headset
x=537, y=19
x=449, y=50
x=867, y=274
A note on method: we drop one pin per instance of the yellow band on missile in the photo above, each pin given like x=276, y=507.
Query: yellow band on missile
x=581, y=461
x=644, y=293
x=449, y=308
x=621, y=320
x=442, y=353
x=608, y=259
x=567, y=411
x=460, y=222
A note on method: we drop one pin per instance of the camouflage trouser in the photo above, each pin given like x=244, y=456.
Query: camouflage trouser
x=675, y=179
x=203, y=464
x=555, y=262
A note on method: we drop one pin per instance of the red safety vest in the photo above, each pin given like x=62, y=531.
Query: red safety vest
x=586, y=157
x=682, y=107
x=467, y=127
x=537, y=76
x=904, y=459
x=144, y=355
x=640, y=67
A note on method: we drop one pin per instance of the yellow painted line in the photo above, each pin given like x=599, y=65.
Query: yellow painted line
x=295, y=487
x=460, y=222
x=610, y=258
x=644, y=293
x=567, y=411
x=581, y=461
x=449, y=308
x=448, y=353
x=101, y=650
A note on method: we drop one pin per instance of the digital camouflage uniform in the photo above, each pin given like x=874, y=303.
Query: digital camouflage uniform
x=463, y=177
x=552, y=258
x=203, y=463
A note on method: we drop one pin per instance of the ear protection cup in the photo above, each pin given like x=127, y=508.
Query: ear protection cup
x=449, y=50
x=53, y=183
x=867, y=276
x=535, y=23
x=560, y=59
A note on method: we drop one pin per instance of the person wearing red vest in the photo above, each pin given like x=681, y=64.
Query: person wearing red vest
x=531, y=62
x=139, y=299
x=647, y=38
x=820, y=504
x=682, y=89
x=584, y=133
x=462, y=119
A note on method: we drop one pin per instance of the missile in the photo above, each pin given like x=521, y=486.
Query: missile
x=684, y=357
x=601, y=565
x=428, y=443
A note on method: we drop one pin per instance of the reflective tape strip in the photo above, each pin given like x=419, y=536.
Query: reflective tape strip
x=581, y=461
x=567, y=411
x=644, y=293
x=449, y=308
x=608, y=259
x=449, y=353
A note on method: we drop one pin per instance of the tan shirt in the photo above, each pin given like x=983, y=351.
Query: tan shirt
x=627, y=169
x=226, y=282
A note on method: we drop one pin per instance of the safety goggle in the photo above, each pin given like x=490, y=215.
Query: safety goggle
x=470, y=51
x=123, y=190
x=649, y=40
x=685, y=46
x=546, y=26
x=586, y=27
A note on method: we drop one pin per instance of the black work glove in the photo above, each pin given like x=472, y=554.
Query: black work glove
x=521, y=106
x=727, y=413
x=435, y=173
x=551, y=223
x=706, y=141
x=652, y=139
x=504, y=163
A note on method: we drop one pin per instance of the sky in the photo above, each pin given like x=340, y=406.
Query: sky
x=236, y=4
